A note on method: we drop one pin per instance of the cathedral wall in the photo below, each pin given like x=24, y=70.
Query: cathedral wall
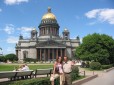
x=22, y=55
x=69, y=52
x=68, y=43
x=32, y=43
x=32, y=53
x=75, y=44
x=24, y=44
x=19, y=55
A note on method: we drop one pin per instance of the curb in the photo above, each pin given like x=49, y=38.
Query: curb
x=79, y=82
x=109, y=69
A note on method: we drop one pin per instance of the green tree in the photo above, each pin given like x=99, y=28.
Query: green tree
x=2, y=59
x=11, y=57
x=97, y=47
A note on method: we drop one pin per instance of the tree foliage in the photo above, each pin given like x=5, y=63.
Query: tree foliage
x=11, y=57
x=2, y=59
x=97, y=47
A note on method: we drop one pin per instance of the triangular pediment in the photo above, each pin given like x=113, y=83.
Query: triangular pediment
x=50, y=43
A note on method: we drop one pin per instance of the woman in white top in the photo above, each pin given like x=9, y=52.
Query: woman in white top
x=58, y=71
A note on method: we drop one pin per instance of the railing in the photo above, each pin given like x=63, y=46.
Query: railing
x=84, y=73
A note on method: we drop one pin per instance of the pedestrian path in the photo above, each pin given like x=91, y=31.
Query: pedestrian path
x=104, y=79
x=90, y=73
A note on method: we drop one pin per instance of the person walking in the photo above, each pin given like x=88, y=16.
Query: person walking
x=67, y=68
x=58, y=71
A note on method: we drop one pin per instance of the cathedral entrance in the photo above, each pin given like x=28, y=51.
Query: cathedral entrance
x=50, y=54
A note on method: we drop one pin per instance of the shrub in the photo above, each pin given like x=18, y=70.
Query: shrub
x=106, y=66
x=87, y=64
x=83, y=64
x=95, y=66
x=37, y=81
x=75, y=73
x=57, y=81
x=30, y=60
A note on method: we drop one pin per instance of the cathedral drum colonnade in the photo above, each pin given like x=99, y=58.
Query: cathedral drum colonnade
x=48, y=44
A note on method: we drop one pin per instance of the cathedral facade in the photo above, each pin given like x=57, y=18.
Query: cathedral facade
x=48, y=44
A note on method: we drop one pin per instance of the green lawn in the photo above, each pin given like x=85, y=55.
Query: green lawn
x=10, y=67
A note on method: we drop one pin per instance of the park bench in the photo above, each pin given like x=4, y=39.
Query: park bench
x=8, y=74
x=43, y=72
x=15, y=75
x=24, y=74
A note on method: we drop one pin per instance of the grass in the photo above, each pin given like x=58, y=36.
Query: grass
x=80, y=77
x=10, y=67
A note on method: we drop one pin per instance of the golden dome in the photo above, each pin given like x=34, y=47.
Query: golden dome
x=49, y=15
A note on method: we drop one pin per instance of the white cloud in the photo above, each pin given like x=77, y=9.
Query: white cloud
x=10, y=50
x=9, y=29
x=93, y=13
x=12, y=39
x=25, y=31
x=12, y=2
x=103, y=15
x=0, y=10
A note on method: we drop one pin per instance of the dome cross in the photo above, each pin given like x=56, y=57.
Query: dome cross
x=49, y=9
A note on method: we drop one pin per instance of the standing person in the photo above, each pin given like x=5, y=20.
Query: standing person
x=67, y=68
x=58, y=71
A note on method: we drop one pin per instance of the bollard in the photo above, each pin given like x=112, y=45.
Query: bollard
x=93, y=72
x=84, y=73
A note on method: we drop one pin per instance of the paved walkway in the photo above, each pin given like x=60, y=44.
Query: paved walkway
x=104, y=79
x=90, y=73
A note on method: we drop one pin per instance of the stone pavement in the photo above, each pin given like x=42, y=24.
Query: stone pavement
x=90, y=73
x=103, y=79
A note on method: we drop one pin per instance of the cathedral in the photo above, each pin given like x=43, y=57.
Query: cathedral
x=46, y=44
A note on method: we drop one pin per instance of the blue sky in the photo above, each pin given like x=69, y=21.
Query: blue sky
x=80, y=17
